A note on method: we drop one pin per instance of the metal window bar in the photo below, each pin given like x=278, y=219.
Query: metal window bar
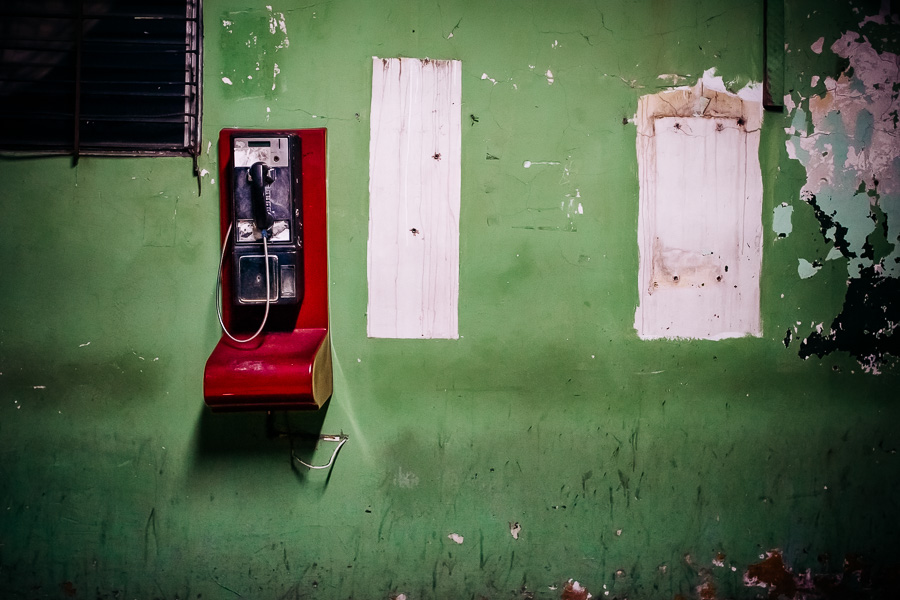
x=113, y=69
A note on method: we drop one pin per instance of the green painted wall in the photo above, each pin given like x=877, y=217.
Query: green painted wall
x=629, y=465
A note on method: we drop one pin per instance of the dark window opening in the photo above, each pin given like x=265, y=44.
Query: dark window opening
x=100, y=76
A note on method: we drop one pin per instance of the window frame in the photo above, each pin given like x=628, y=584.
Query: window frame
x=108, y=143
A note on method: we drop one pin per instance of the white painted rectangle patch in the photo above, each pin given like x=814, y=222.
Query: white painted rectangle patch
x=414, y=198
x=699, y=229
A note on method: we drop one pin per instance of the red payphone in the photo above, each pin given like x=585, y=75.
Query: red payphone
x=275, y=352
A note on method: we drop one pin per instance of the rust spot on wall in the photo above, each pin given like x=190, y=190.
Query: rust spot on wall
x=772, y=573
x=573, y=591
x=707, y=591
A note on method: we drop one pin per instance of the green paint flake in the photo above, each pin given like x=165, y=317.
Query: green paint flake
x=834, y=254
x=799, y=121
x=807, y=269
x=781, y=220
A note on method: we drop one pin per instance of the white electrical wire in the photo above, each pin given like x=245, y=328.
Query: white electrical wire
x=341, y=439
x=219, y=287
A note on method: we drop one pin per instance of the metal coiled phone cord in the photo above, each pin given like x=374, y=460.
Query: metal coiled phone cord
x=265, y=235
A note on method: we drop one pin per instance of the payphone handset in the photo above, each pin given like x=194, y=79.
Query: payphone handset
x=266, y=227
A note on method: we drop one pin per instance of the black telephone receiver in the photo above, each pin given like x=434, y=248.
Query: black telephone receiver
x=260, y=177
x=266, y=202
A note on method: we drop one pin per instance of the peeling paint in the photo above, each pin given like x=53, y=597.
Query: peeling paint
x=781, y=220
x=574, y=591
x=254, y=37
x=674, y=78
x=806, y=269
x=852, y=162
x=851, y=159
x=817, y=45
x=456, y=538
x=514, y=530
x=276, y=24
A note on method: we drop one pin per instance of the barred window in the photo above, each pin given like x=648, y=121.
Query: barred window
x=100, y=76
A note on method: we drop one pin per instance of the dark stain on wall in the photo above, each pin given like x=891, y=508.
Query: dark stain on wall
x=856, y=580
x=866, y=325
x=828, y=224
x=772, y=574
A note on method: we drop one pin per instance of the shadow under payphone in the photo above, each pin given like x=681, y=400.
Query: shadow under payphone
x=275, y=351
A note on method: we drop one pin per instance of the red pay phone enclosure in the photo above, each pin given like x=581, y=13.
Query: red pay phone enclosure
x=288, y=366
